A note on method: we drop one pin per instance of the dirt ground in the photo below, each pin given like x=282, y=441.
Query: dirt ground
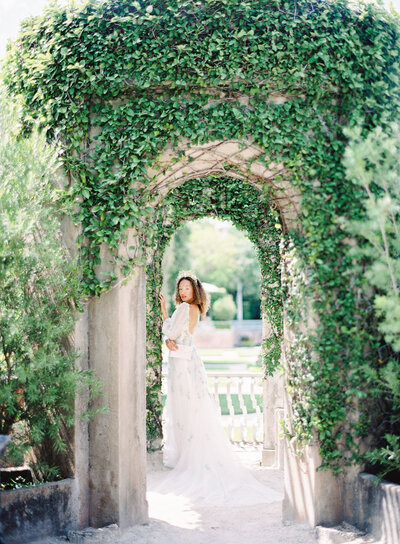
x=178, y=523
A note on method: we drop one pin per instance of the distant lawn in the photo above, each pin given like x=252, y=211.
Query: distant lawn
x=235, y=403
x=225, y=362
x=254, y=368
x=223, y=401
x=242, y=351
x=216, y=366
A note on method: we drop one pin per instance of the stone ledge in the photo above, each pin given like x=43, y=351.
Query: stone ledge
x=342, y=534
x=37, y=511
x=373, y=506
x=94, y=536
x=104, y=535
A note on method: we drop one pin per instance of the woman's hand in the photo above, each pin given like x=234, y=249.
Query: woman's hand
x=171, y=344
x=163, y=306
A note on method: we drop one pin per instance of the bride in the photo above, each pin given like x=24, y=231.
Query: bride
x=204, y=467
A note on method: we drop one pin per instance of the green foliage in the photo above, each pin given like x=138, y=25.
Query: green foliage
x=387, y=456
x=176, y=258
x=220, y=254
x=225, y=256
x=39, y=284
x=224, y=309
x=16, y=483
x=138, y=76
x=373, y=163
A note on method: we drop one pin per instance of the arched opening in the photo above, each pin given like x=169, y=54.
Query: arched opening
x=230, y=338
x=247, y=208
x=236, y=379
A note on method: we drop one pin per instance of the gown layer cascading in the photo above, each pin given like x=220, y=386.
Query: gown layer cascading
x=204, y=467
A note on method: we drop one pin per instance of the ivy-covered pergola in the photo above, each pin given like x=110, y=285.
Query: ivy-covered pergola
x=143, y=96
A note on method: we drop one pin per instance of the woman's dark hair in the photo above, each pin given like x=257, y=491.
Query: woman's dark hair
x=200, y=297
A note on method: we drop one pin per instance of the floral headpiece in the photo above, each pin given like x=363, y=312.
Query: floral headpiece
x=186, y=274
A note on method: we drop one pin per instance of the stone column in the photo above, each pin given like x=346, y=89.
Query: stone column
x=117, y=444
x=81, y=430
x=268, y=452
x=269, y=442
x=239, y=301
x=80, y=340
x=311, y=495
x=272, y=401
x=272, y=405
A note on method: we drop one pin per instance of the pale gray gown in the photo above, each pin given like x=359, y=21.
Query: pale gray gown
x=204, y=467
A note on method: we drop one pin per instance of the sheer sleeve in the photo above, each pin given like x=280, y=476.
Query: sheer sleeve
x=173, y=326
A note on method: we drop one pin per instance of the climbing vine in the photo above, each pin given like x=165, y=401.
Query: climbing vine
x=249, y=209
x=118, y=82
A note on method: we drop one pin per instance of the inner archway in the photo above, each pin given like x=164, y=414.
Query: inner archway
x=247, y=208
x=226, y=260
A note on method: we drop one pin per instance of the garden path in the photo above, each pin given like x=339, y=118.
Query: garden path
x=178, y=523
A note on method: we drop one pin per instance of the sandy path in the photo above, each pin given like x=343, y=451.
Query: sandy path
x=178, y=523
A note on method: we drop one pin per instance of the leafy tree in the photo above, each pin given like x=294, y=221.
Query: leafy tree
x=39, y=284
x=224, y=256
x=373, y=163
x=248, y=274
x=224, y=309
x=177, y=257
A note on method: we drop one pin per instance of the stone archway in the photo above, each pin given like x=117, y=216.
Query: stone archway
x=236, y=160
x=232, y=158
x=113, y=487
x=287, y=76
x=310, y=495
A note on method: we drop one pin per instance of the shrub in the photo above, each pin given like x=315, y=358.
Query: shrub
x=39, y=287
x=224, y=309
x=373, y=163
x=222, y=325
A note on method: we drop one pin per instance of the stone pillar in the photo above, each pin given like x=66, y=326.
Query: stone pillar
x=272, y=407
x=81, y=430
x=117, y=446
x=272, y=401
x=80, y=339
x=239, y=301
x=310, y=495
x=269, y=442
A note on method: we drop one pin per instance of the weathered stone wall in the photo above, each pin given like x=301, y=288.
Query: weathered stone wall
x=117, y=448
x=39, y=511
x=373, y=507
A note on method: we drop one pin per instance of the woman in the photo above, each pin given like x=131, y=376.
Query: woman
x=196, y=447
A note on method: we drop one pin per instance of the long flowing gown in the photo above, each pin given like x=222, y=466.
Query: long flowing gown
x=204, y=467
